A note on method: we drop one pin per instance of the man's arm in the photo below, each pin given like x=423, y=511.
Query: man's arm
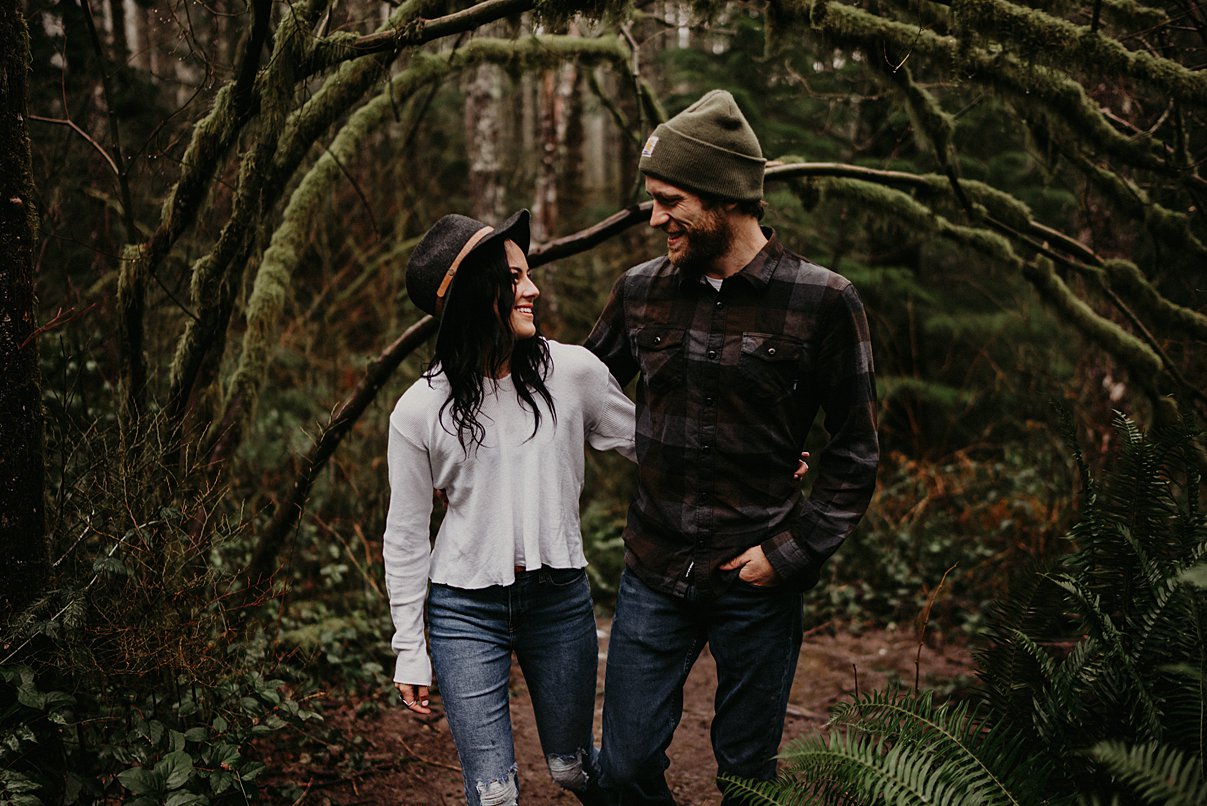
x=845, y=475
x=609, y=339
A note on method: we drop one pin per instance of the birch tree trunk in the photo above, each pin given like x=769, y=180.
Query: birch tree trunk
x=483, y=140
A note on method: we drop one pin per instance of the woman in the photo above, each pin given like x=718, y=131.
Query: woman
x=498, y=424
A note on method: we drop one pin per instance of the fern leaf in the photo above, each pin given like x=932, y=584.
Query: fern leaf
x=1159, y=774
x=950, y=734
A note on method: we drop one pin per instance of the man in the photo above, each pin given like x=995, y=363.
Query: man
x=738, y=343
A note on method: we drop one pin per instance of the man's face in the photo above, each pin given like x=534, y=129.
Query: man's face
x=696, y=234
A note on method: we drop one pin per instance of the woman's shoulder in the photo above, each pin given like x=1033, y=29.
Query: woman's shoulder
x=572, y=355
x=423, y=397
x=576, y=368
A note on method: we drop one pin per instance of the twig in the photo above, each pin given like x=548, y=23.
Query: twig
x=432, y=762
x=71, y=124
x=60, y=318
x=305, y=792
x=922, y=627
x=803, y=713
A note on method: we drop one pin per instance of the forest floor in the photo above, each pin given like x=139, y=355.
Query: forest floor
x=405, y=759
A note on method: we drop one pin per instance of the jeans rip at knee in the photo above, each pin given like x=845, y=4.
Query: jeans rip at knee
x=503, y=791
x=569, y=772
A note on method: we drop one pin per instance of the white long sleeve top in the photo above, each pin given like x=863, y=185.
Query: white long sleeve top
x=513, y=501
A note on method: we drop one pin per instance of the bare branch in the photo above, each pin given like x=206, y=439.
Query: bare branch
x=71, y=124
x=333, y=50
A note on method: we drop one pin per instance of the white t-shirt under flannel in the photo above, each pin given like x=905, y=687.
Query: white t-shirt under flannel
x=513, y=501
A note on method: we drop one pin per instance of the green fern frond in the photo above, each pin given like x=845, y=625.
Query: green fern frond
x=780, y=792
x=1158, y=774
x=1010, y=666
x=956, y=734
x=864, y=769
x=1134, y=688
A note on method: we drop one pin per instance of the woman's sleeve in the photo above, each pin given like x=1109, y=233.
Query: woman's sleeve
x=612, y=417
x=406, y=549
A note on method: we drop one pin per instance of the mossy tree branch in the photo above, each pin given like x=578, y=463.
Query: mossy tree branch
x=1033, y=89
x=1063, y=44
x=263, y=178
x=409, y=33
x=935, y=130
x=274, y=277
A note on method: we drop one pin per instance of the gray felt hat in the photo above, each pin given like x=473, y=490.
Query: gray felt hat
x=435, y=261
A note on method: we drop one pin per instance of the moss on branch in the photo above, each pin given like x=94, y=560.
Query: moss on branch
x=274, y=278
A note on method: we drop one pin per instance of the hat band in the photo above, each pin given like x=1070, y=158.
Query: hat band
x=473, y=241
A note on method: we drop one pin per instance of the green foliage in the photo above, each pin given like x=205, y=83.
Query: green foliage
x=1092, y=677
x=1155, y=774
x=920, y=527
x=129, y=678
x=184, y=743
x=1108, y=644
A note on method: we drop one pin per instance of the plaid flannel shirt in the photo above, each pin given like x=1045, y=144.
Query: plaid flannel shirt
x=731, y=382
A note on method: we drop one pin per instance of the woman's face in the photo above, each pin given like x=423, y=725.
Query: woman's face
x=522, y=318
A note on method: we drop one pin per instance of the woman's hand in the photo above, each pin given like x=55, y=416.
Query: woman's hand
x=414, y=697
x=803, y=467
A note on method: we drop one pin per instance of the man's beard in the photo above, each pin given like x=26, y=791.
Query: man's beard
x=708, y=240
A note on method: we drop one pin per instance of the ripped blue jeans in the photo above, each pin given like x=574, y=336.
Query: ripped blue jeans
x=546, y=618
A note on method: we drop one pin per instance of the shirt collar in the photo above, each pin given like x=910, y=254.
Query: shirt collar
x=759, y=270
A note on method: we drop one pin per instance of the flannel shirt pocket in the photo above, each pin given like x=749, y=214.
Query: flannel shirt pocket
x=660, y=354
x=771, y=364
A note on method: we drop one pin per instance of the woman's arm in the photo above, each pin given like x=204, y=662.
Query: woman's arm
x=406, y=550
x=611, y=417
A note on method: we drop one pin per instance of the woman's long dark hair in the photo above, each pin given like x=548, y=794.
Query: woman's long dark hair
x=476, y=342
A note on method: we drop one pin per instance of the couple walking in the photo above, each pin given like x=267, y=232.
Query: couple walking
x=737, y=343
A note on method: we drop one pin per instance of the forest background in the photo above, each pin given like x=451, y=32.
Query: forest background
x=208, y=207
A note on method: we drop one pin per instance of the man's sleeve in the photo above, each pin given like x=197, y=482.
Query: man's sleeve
x=609, y=339
x=845, y=475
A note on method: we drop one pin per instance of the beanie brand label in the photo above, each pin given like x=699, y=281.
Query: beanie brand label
x=648, y=149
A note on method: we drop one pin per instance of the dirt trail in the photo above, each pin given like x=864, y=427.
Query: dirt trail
x=409, y=761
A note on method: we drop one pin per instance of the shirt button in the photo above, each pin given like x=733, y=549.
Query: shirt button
x=720, y=304
x=657, y=340
x=770, y=351
x=712, y=353
x=707, y=448
x=710, y=400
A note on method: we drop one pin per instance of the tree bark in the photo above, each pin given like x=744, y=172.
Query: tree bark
x=22, y=460
x=483, y=142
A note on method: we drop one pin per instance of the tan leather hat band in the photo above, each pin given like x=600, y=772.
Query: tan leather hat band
x=473, y=241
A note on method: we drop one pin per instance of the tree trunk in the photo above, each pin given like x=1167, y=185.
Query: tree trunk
x=483, y=134
x=22, y=461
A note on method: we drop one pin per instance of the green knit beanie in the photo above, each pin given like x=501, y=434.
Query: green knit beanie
x=707, y=148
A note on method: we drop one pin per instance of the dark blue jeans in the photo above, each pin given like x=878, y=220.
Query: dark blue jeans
x=754, y=635
x=546, y=618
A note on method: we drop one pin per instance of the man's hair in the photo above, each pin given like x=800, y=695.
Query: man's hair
x=476, y=341
x=754, y=208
